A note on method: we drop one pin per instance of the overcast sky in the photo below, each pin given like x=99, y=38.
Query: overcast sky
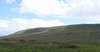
x=17, y=15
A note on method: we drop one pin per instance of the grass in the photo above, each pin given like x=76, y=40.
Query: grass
x=49, y=48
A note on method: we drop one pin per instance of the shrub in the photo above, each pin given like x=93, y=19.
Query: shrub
x=68, y=46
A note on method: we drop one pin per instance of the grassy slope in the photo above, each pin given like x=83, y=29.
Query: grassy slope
x=49, y=48
x=82, y=32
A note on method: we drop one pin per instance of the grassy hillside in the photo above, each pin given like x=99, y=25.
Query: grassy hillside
x=80, y=32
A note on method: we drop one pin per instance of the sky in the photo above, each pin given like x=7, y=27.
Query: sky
x=17, y=15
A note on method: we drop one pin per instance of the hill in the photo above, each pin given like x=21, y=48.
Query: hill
x=79, y=32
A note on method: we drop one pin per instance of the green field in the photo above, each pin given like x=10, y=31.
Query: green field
x=49, y=48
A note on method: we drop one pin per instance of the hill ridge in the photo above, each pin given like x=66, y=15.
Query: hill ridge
x=78, y=32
